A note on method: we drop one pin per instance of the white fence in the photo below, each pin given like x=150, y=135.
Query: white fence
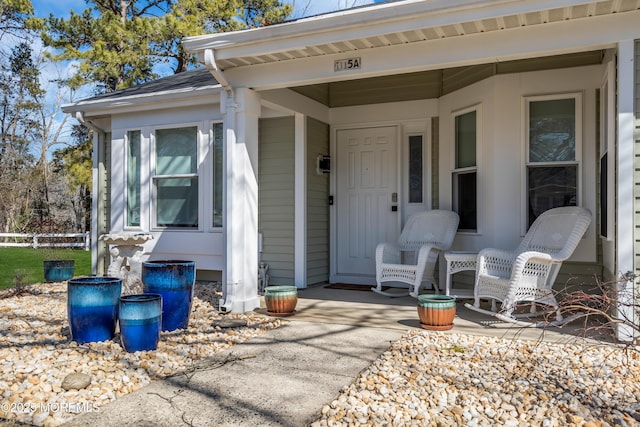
x=46, y=240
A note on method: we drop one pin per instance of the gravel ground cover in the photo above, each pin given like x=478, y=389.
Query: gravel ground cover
x=424, y=379
x=37, y=354
x=436, y=379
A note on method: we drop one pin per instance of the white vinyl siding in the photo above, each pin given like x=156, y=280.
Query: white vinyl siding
x=636, y=123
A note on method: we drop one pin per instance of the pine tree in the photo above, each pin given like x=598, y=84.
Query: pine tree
x=119, y=42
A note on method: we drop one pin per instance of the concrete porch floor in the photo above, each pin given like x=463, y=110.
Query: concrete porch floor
x=365, y=308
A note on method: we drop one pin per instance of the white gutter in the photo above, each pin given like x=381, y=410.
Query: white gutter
x=216, y=72
x=88, y=123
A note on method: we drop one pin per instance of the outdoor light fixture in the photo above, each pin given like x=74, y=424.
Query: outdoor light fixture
x=323, y=164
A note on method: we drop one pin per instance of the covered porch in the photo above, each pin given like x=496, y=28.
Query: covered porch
x=357, y=308
x=410, y=74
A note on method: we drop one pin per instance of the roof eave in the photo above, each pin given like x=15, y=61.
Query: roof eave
x=157, y=100
x=373, y=20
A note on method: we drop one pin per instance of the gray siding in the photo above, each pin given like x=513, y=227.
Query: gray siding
x=636, y=136
x=104, y=201
x=317, y=205
x=276, y=166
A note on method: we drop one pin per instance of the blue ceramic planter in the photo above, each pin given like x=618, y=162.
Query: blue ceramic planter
x=92, y=306
x=140, y=318
x=173, y=280
x=58, y=270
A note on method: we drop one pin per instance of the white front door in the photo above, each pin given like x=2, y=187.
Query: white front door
x=367, y=200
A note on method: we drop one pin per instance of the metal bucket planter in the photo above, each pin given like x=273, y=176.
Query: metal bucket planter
x=92, y=307
x=436, y=312
x=281, y=300
x=174, y=281
x=140, y=318
x=58, y=270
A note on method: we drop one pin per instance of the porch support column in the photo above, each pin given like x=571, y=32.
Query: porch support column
x=98, y=200
x=241, y=110
x=625, y=184
x=98, y=205
x=300, y=191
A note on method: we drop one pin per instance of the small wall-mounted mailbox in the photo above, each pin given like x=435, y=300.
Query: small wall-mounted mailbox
x=323, y=164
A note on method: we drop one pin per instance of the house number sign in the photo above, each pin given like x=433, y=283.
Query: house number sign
x=347, y=64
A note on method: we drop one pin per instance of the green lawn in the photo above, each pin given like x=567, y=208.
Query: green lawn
x=27, y=263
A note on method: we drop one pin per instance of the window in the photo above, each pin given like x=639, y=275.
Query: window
x=465, y=171
x=175, y=182
x=416, y=173
x=133, y=178
x=218, y=166
x=552, y=153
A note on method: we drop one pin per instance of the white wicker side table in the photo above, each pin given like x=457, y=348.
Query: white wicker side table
x=459, y=261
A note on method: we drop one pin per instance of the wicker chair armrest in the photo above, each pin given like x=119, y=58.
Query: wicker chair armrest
x=424, y=253
x=535, y=256
x=387, y=253
x=530, y=261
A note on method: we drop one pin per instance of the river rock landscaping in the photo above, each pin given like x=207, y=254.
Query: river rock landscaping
x=47, y=379
x=436, y=379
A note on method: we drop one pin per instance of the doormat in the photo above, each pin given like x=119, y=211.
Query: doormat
x=350, y=287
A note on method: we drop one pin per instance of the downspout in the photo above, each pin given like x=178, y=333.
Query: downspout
x=216, y=72
x=228, y=109
x=96, y=253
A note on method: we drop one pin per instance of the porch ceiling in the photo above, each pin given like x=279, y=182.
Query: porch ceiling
x=432, y=84
x=416, y=29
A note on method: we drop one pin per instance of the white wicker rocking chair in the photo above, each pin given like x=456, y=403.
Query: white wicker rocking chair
x=425, y=234
x=527, y=274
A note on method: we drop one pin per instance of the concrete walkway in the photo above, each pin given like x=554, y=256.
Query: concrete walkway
x=284, y=377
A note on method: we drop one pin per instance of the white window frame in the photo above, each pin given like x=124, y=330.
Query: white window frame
x=425, y=169
x=607, y=143
x=477, y=108
x=211, y=148
x=201, y=145
x=579, y=111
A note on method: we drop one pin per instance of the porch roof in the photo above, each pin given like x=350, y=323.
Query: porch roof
x=192, y=84
x=390, y=24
